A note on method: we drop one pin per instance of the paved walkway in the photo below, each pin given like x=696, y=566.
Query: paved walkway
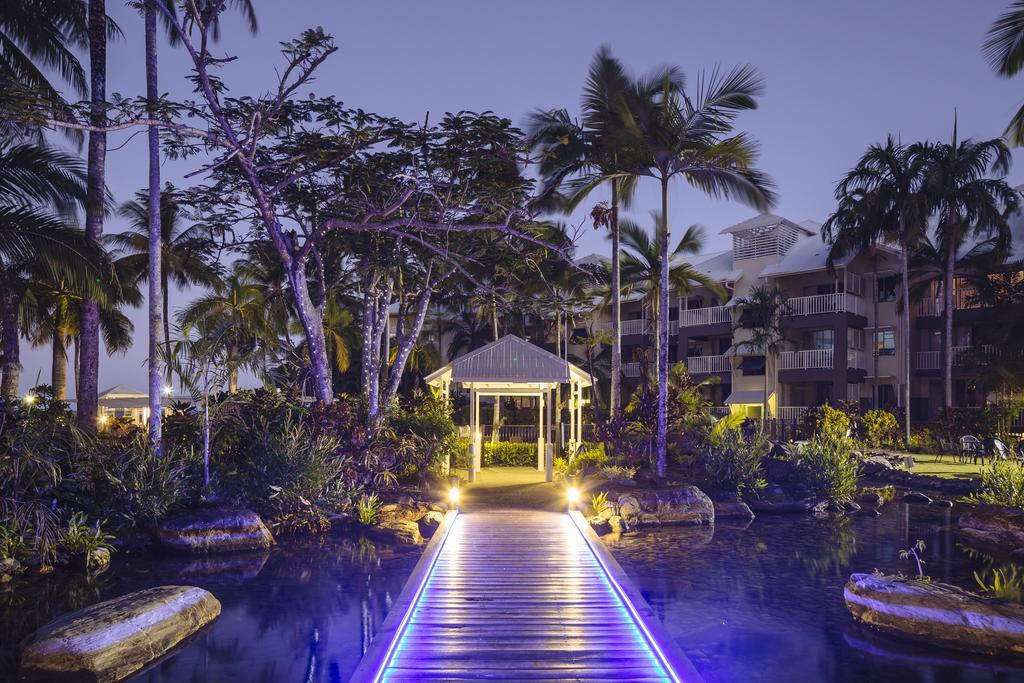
x=504, y=488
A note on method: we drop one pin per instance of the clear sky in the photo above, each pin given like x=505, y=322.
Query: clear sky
x=840, y=75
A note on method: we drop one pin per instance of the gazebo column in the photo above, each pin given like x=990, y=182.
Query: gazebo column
x=474, y=436
x=579, y=413
x=540, y=431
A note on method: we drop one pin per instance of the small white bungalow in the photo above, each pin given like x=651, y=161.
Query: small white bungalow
x=512, y=366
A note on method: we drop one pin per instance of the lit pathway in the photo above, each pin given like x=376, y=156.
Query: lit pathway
x=520, y=595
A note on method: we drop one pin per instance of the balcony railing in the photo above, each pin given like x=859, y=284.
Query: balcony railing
x=719, y=411
x=792, y=413
x=841, y=302
x=708, y=364
x=693, y=317
x=631, y=369
x=818, y=358
x=641, y=326
x=932, y=360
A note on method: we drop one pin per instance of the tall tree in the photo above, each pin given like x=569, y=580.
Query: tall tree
x=674, y=135
x=881, y=200
x=87, y=388
x=1004, y=48
x=764, y=308
x=579, y=156
x=641, y=267
x=968, y=204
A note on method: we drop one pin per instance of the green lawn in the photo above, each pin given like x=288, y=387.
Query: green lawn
x=948, y=467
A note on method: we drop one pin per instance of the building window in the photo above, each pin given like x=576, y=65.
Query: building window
x=855, y=338
x=823, y=340
x=886, y=288
x=885, y=342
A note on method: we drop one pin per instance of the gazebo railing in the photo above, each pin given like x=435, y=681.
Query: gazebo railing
x=510, y=433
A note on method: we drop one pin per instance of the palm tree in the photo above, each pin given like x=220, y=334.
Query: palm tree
x=236, y=307
x=468, y=333
x=673, y=135
x=38, y=36
x=1004, y=48
x=589, y=152
x=967, y=204
x=185, y=251
x=641, y=268
x=881, y=200
x=764, y=308
x=40, y=188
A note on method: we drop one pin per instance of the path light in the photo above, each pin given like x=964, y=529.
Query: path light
x=453, y=497
x=167, y=390
x=573, y=494
x=29, y=399
x=102, y=419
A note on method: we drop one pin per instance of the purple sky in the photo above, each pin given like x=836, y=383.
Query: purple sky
x=840, y=75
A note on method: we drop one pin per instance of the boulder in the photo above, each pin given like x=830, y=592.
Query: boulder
x=429, y=523
x=873, y=464
x=97, y=561
x=648, y=520
x=600, y=525
x=732, y=510
x=937, y=614
x=872, y=498
x=776, y=500
x=400, y=511
x=916, y=497
x=678, y=505
x=214, y=530
x=396, y=531
x=341, y=522
x=995, y=527
x=616, y=524
x=628, y=505
x=111, y=640
x=779, y=471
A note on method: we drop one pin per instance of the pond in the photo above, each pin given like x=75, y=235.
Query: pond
x=765, y=602
x=761, y=603
x=302, y=612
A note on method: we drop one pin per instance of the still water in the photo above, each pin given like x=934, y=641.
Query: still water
x=760, y=603
x=765, y=602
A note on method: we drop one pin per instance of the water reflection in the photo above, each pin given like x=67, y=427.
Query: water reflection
x=765, y=603
x=302, y=612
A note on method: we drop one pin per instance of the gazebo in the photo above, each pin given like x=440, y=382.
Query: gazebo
x=512, y=366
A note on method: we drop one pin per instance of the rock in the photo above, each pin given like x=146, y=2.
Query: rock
x=111, y=640
x=214, y=530
x=396, y=531
x=617, y=524
x=942, y=503
x=97, y=561
x=872, y=498
x=779, y=471
x=399, y=511
x=600, y=525
x=916, y=497
x=732, y=510
x=995, y=527
x=647, y=519
x=628, y=505
x=776, y=500
x=678, y=505
x=873, y=464
x=937, y=614
x=429, y=523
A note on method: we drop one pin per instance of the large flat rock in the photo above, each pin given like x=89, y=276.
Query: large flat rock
x=937, y=614
x=111, y=640
x=995, y=527
x=677, y=505
x=215, y=530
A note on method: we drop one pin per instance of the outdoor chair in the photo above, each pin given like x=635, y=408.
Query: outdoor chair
x=1018, y=453
x=995, y=449
x=971, y=449
x=945, y=448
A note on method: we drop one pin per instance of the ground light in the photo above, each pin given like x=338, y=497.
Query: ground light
x=29, y=399
x=573, y=494
x=453, y=498
x=167, y=390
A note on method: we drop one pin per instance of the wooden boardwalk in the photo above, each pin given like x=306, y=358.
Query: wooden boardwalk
x=520, y=595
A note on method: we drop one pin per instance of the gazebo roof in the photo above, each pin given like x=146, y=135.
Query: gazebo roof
x=509, y=360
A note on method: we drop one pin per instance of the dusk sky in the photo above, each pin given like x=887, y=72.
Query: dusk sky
x=840, y=76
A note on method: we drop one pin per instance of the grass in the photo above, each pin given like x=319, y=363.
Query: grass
x=947, y=467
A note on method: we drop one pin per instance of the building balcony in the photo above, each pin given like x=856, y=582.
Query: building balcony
x=841, y=302
x=932, y=360
x=813, y=359
x=711, y=315
x=706, y=365
x=631, y=369
x=640, y=326
x=792, y=413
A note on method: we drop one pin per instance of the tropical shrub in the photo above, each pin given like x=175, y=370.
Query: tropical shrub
x=879, y=427
x=599, y=502
x=368, y=509
x=733, y=460
x=616, y=473
x=1002, y=484
x=832, y=421
x=80, y=538
x=591, y=458
x=506, y=454
x=826, y=464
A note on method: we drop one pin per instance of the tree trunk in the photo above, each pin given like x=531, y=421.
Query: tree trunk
x=947, y=295
x=156, y=297
x=662, y=436
x=87, y=388
x=905, y=332
x=59, y=362
x=405, y=345
x=616, y=379
x=12, y=347
x=167, y=318
x=313, y=327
